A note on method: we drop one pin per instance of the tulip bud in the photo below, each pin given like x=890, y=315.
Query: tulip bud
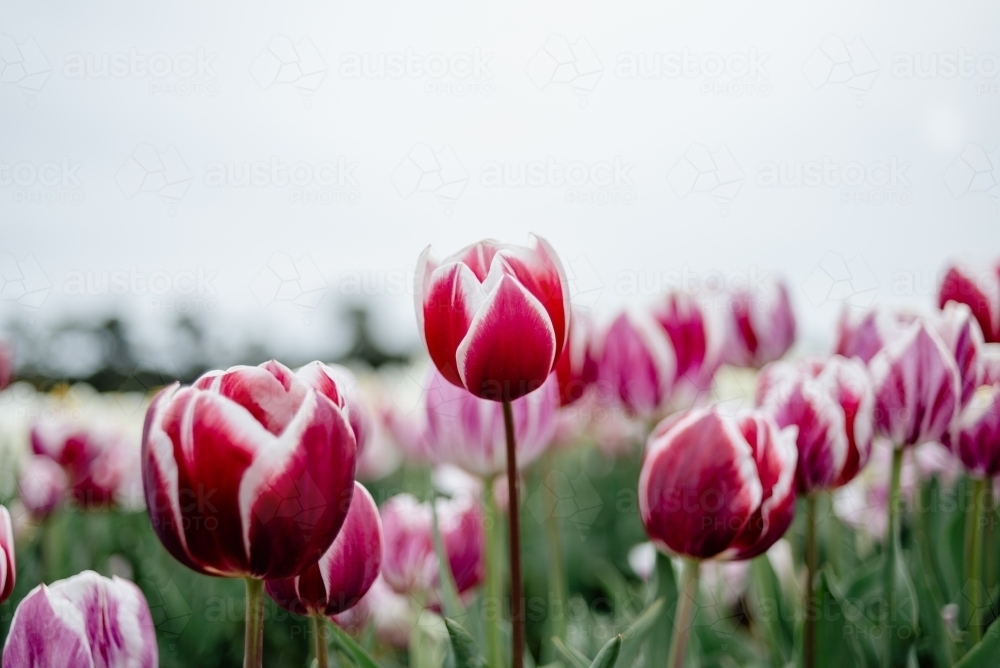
x=975, y=438
x=760, y=325
x=8, y=562
x=696, y=344
x=832, y=404
x=345, y=571
x=638, y=364
x=43, y=485
x=85, y=620
x=409, y=562
x=918, y=387
x=977, y=288
x=468, y=432
x=249, y=472
x=718, y=486
x=494, y=317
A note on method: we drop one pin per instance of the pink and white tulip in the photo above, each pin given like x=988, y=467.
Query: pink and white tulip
x=979, y=289
x=494, y=316
x=8, y=560
x=637, y=365
x=576, y=368
x=43, y=485
x=85, y=620
x=831, y=402
x=95, y=458
x=409, y=562
x=249, y=472
x=975, y=437
x=760, y=325
x=718, y=486
x=345, y=572
x=696, y=344
x=468, y=432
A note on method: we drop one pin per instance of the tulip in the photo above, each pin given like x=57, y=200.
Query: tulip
x=637, y=365
x=43, y=485
x=696, y=343
x=468, y=432
x=249, y=473
x=863, y=335
x=390, y=613
x=409, y=562
x=6, y=364
x=989, y=363
x=963, y=337
x=94, y=458
x=494, y=317
x=8, y=564
x=343, y=574
x=977, y=289
x=85, y=620
x=760, y=325
x=714, y=486
x=576, y=368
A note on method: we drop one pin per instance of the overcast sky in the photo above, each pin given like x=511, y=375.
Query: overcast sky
x=257, y=162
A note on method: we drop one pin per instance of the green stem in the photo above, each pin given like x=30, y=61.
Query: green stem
x=493, y=601
x=253, y=641
x=809, y=635
x=891, y=548
x=514, y=543
x=557, y=579
x=685, y=613
x=319, y=637
x=974, y=557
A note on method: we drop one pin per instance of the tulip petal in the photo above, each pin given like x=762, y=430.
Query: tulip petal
x=964, y=285
x=453, y=297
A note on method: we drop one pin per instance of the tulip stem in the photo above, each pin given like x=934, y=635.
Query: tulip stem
x=514, y=531
x=493, y=602
x=809, y=633
x=974, y=558
x=319, y=636
x=891, y=549
x=685, y=613
x=557, y=578
x=253, y=641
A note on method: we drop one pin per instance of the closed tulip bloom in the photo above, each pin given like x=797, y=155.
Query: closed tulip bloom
x=978, y=289
x=576, y=368
x=863, y=334
x=85, y=620
x=8, y=562
x=346, y=383
x=760, y=325
x=718, y=486
x=637, y=365
x=468, y=432
x=494, y=317
x=831, y=402
x=695, y=341
x=409, y=562
x=917, y=385
x=249, y=472
x=43, y=485
x=345, y=571
x=964, y=339
x=975, y=438
x=94, y=458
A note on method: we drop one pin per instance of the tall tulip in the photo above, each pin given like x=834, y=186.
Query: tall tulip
x=494, y=318
x=714, y=486
x=696, y=341
x=85, y=620
x=249, y=473
x=760, y=325
x=979, y=289
x=343, y=574
x=638, y=365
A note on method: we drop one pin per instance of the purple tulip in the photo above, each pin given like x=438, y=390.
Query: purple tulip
x=975, y=438
x=638, y=365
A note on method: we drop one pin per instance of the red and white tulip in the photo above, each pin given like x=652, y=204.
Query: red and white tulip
x=760, y=325
x=637, y=366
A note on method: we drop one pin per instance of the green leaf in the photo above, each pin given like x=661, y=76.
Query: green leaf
x=467, y=654
x=772, y=610
x=635, y=632
x=608, y=655
x=835, y=644
x=451, y=605
x=575, y=658
x=986, y=653
x=346, y=643
x=658, y=646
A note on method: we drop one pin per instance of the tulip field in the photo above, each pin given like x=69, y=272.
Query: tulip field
x=541, y=485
